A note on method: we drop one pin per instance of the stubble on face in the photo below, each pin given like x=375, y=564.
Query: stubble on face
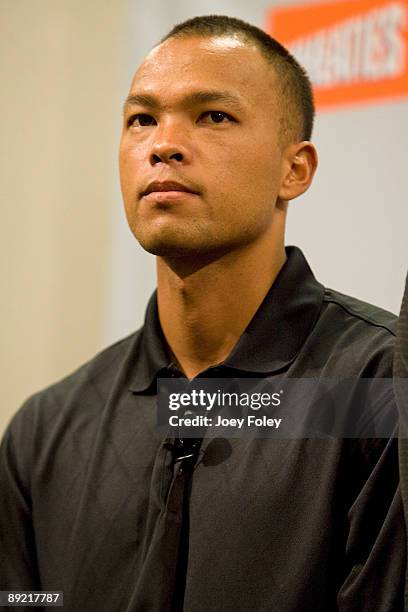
x=234, y=167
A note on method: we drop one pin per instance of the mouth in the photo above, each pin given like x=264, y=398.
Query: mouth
x=169, y=189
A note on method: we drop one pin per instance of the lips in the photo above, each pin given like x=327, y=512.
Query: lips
x=167, y=186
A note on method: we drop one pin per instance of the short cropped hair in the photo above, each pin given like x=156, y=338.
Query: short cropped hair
x=294, y=97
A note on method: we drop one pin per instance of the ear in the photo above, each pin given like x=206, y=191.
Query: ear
x=299, y=165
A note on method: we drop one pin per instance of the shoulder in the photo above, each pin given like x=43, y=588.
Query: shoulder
x=351, y=338
x=369, y=317
x=79, y=396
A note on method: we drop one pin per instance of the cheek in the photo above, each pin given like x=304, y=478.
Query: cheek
x=254, y=174
x=129, y=167
x=132, y=153
x=123, y=160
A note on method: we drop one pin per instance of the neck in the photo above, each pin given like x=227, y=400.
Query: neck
x=205, y=304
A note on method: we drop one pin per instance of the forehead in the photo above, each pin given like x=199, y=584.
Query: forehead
x=221, y=62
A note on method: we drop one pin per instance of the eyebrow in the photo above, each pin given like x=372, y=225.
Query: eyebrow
x=197, y=97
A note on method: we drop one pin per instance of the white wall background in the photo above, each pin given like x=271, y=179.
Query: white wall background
x=353, y=222
x=60, y=69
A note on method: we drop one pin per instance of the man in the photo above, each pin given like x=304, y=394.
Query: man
x=215, y=143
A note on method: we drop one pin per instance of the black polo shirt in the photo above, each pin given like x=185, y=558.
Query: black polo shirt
x=90, y=503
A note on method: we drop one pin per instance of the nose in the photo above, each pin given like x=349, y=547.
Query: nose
x=170, y=146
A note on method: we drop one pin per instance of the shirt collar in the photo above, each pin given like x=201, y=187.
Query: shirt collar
x=270, y=342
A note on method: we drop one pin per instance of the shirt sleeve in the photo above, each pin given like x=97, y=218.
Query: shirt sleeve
x=401, y=394
x=18, y=563
x=375, y=550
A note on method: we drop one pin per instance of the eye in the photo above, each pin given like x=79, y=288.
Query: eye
x=215, y=117
x=141, y=120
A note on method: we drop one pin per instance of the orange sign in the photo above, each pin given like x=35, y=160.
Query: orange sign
x=353, y=50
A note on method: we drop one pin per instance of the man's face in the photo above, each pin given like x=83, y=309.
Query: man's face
x=202, y=114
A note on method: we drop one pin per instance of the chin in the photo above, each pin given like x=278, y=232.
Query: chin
x=166, y=239
x=168, y=250
x=166, y=246
x=183, y=242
